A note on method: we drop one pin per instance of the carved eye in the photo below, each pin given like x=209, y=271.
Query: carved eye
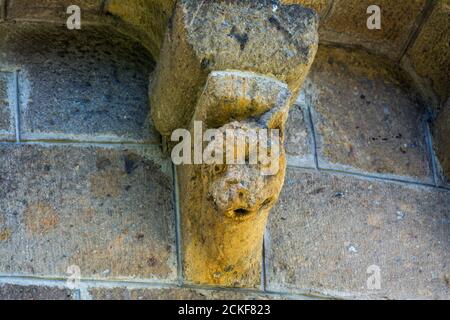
x=267, y=203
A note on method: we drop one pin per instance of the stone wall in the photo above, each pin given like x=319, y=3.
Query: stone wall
x=83, y=180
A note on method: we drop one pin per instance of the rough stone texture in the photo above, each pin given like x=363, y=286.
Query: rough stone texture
x=365, y=118
x=347, y=21
x=232, y=200
x=6, y=116
x=231, y=65
x=55, y=10
x=321, y=6
x=328, y=229
x=35, y=233
x=17, y=292
x=148, y=19
x=173, y=294
x=109, y=211
x=2, y=10
x=79, y=85
x=240, y=35
x=429, y=57
x=442, y=142
x=298, y=143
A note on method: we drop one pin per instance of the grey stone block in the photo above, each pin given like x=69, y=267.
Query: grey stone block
x=89, y=84
x=366, y=118
x=176, y=294
x=107, y=210
x=7, y=105
x=327, y=230
x=299, y=140
x=18, y=292
x=51, y=10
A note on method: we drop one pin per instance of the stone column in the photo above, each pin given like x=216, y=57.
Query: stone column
x=230, y=65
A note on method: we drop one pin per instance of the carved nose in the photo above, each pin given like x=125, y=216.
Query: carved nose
x=235, y=199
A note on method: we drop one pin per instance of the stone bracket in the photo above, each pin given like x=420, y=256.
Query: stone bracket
x=231, y=66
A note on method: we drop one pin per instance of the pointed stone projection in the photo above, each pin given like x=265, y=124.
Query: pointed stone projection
x=228, y=73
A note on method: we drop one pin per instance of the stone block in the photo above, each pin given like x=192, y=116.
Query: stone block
x=429, y=56
x=176, y=294
x=299, y=139
x=80, y=85
x=22, y=292
x=366, y=118
x=347, y=23
x=147, y=18
x=442, y=143
x=52, y=10
x=327, y=230
x=248, y=35
x=7, y=105
x=107, y=210
x=2, y=10
x=321, y=6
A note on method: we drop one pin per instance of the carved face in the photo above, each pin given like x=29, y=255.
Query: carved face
x=240, y=192
x=226, y=200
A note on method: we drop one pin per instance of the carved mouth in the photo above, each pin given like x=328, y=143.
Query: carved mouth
x=240, y=214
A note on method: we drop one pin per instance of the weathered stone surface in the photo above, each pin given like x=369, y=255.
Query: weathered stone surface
x=53, y=10
x=18, y=292
x=442, y=142
x=2, y=10
x=347, y=21
x=366, y=119
x=239, y=35
x=299, y=143
x=108, y=211
x=175, y=294
x=148, y=18
x=80, y=85
x=230, y=65
x=328, y=229
x=224, y=220
x=6, y=116
x=321, y=6
x=429, y=56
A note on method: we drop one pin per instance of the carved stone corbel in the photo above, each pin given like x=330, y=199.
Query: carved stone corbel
x=232, y=66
